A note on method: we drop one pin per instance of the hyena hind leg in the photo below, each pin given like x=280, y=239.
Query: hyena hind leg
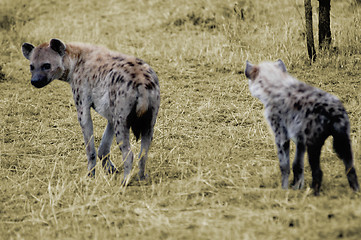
x=342, y=146
x=104, y=149
x=298, y=166
x=314, y=152
x=122, y=138
x=143, y=155
x=144, y=126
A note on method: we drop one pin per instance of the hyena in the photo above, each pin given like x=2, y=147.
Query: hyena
x=305, y=114
x=123, y=89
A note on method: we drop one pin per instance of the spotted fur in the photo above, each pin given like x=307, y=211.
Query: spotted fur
x=305, y=114
x=121, y=88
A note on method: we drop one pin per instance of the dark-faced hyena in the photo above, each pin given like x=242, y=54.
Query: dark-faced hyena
x=306, y=115
x=121, y=88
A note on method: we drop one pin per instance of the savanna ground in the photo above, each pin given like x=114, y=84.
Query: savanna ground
x=213, y=170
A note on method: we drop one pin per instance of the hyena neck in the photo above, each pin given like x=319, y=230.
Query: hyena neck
x=65, y=76
x=70, y=60
x=264, y=94
x=271, y=90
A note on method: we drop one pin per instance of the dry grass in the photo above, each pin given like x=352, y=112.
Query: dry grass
x=213, y=167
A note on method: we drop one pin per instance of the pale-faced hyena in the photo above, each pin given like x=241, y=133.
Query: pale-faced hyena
x=306, y=115
x=121, y=88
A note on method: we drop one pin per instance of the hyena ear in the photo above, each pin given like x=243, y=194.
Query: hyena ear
x=58, y=46
x=251, y=71
x=281, y=65
x=27, y=48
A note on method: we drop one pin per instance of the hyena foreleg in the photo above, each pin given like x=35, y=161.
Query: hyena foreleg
x=283, y=149
x=104, y=149
x=86, y=125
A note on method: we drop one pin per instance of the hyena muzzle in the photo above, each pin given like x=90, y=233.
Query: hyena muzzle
x=123, y=89
x=305, y=114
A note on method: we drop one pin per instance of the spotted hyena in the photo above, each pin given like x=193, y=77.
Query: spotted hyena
x=121, y=88
x=306, y=115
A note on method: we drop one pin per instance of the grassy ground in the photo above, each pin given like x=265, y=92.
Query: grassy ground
x=213, y=167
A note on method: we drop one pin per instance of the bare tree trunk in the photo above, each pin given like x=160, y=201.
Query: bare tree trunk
x=324, y=30
x=309, y=31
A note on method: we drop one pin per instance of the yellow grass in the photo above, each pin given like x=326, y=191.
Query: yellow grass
x=213, y=167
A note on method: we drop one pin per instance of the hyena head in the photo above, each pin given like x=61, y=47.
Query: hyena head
x=46, y=61
x=265, y=75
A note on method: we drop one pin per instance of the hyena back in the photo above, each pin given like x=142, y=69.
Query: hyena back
x=121, y=88
x=305, y=114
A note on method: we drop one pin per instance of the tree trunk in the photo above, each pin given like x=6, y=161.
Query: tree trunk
x=309, y=31
x=324, y=30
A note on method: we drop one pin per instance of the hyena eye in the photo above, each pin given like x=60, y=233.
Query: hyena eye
x=46, y=66
x=31, y=67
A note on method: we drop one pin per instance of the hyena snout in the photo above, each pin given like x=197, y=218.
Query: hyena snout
x=40, y=80
x=42, y=76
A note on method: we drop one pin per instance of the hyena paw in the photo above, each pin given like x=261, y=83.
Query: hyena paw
x=142, y=177
x=112, y=170
x=125, y=182
x=297, y=184
x=284, y=182
x=352, y=179
x=355, y=187
x=109, y=167
x=316, y=191
x=316, y=188
x=91, y=173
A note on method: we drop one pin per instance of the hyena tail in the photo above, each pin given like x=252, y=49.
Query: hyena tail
x=142, y=102
x=340, y=131
x=342, y=147
x=140, y=118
